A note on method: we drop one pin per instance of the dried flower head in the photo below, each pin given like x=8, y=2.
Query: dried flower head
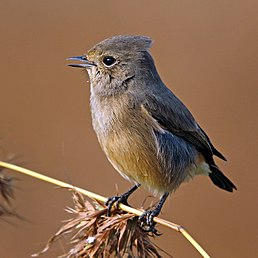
x=94, y=234
x=6, y=187
x=6, y=192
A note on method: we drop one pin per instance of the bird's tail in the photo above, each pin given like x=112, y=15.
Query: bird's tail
x=220, y=180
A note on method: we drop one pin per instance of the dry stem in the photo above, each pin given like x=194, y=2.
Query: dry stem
x=123, y=207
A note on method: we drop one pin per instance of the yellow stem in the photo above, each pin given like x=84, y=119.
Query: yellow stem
x=123, y=207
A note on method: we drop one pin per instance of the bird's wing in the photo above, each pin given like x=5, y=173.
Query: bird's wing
x=171, y=115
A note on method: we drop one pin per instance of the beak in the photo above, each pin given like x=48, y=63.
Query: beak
x=86, y=63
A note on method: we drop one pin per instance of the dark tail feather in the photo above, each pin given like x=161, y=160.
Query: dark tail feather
x=217, y=153
x=220, y=180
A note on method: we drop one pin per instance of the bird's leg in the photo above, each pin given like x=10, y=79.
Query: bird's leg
x=147, y=217
x=120, y=199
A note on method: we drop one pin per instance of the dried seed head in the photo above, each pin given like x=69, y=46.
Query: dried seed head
x=93, y=234
x=6, y=191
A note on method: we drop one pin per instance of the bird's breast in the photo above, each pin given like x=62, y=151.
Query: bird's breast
x=128, y=142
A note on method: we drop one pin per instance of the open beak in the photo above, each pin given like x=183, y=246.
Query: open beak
x=85, y=63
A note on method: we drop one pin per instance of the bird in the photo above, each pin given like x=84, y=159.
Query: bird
x=146, y=132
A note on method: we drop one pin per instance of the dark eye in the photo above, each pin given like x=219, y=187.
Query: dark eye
x=109, y=60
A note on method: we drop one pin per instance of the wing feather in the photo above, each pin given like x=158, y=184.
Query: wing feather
x=174, y=117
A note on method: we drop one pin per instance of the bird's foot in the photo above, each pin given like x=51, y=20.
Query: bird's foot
x=146, y=219
x=147, y=223
x=115, y=200
x=119, y=199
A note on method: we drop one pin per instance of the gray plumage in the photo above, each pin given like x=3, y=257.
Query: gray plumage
x=147, y=133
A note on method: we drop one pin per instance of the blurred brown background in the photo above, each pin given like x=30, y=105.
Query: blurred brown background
x=206, y=52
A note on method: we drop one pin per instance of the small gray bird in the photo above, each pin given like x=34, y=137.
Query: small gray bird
x=146, y=132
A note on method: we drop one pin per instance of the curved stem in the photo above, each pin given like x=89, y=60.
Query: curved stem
x=92, y=195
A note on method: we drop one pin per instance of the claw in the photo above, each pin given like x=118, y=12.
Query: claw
x=146, y=219
x=119, y=199
x=109, y=203
x=147, y=223
x=115, y=199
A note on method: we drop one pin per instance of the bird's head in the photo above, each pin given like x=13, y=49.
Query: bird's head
x=114, y=61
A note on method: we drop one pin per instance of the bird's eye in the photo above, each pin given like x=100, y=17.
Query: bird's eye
x=109, y=60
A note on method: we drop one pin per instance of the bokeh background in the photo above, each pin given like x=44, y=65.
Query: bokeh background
x=206, y=52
